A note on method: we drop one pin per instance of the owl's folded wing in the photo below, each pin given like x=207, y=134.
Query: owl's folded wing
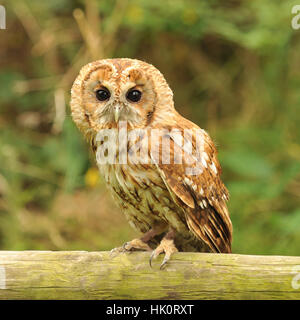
x=196, y=186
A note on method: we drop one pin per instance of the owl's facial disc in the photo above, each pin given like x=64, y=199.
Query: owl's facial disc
x=110, y=96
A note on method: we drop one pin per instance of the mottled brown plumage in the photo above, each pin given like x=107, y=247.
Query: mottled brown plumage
x=183, y=205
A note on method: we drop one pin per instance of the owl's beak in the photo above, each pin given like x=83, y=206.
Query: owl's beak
x=117, y=113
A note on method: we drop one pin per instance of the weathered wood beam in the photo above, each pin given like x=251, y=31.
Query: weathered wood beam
x=95, y=275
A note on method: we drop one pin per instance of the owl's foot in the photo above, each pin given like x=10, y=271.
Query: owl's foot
x=133, y=245
x=136, y=244
x=166, y=246
x=142, y=243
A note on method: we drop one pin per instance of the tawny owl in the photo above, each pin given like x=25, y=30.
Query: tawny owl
x=176, y=199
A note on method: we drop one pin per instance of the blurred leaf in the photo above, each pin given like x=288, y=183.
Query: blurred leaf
x=247, y=163
x=76, y=155
x=8, y=79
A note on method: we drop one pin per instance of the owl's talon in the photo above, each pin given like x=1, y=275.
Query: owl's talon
x=166, y=246
x=164, y=262
x=153, y=256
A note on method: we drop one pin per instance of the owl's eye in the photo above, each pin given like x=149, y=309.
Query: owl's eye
x=134, y=95
x=102, y=94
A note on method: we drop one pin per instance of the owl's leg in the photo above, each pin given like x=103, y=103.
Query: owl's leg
x=166, y=246
x=141, y=243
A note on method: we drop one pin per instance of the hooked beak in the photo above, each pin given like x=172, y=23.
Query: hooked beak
x=117, y=113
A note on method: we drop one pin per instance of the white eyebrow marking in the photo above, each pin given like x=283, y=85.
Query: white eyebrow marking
x=132, y=67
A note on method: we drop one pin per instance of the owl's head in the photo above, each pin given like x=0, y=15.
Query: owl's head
x=112, y=90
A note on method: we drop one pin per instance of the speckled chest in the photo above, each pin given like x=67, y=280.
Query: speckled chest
x=141, y=193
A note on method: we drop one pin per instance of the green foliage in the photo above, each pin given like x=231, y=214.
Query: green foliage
x=235, y=70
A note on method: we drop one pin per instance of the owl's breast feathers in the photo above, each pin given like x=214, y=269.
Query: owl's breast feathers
x=192, y=191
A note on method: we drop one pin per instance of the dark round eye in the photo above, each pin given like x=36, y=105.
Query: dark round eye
x=134, y=95
x=102, y=94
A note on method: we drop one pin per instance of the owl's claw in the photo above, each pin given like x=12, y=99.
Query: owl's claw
x=166, y=259
x=133, y=245
x=153, y=255
x=168, y=247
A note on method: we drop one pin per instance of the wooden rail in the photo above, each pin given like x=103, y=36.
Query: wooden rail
x=95, y=275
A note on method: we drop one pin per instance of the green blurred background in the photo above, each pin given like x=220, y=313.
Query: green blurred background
x=234, y=68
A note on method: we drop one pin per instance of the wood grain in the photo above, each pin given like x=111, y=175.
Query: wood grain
x=95, y=275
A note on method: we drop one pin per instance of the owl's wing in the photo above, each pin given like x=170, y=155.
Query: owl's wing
x=195, y=185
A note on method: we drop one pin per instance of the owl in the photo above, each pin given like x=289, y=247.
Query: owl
x=177, y=203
